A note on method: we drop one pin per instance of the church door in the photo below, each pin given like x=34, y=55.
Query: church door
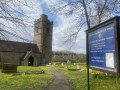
x=31, y=61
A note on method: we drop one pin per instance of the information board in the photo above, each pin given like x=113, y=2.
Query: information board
x=101, y=48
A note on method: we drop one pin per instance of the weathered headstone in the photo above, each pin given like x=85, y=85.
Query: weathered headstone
x=9, y=68
x=49, y=63
x=54, y=64
x=35, y=72
x=74, y=63
x=16, y=74
x=68, y=61
x=78, y=66
x=66, y=68
x=62, y=64
x=81, y=70
x=90, y=70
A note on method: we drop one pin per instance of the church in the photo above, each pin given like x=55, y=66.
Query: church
x=30, y=54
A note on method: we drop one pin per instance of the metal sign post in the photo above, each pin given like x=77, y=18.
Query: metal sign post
x=88, y=79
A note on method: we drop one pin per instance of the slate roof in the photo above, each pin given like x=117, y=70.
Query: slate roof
x=20, y=47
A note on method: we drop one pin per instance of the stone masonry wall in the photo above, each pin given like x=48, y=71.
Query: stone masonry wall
x=15, y=58
x=43, y=38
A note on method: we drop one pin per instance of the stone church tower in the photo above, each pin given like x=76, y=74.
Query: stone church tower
x=43, y=29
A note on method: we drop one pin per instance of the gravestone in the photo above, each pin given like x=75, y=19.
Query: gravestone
x=66, y=68
x=49, y=63
x=54, y=64
x=74, y=63
x=91, y=70
x=68, y=61
x=62, y=64
x=9, y=68
x=78, y=66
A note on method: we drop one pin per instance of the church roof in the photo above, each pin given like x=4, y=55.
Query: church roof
x=11, y=46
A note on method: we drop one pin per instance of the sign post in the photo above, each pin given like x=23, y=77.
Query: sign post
x=103, y=47
x=103, y=44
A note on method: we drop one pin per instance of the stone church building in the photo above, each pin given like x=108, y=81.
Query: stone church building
x=28, y=54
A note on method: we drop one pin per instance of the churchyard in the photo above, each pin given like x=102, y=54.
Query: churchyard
x=77, y=78
x=23, y=81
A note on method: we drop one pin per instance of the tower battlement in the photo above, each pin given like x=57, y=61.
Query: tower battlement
x=43, y=37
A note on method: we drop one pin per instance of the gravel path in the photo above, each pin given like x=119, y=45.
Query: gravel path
x=60, y=82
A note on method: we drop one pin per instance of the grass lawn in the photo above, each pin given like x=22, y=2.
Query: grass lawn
x=98, y=80
x=26, y=82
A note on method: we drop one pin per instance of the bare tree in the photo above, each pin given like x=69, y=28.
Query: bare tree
x=10, y=10
x=86, y=12
x=13, y=15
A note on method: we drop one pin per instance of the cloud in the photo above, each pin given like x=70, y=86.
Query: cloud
x=59, y=31
x=63, y=29
x=59, y=36
x=80, y=45
x=31, y=10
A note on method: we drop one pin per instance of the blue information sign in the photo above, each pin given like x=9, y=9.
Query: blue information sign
x=101, y=47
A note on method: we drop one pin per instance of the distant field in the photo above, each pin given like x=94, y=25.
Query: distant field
x=98, y=80
x=25, y=82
